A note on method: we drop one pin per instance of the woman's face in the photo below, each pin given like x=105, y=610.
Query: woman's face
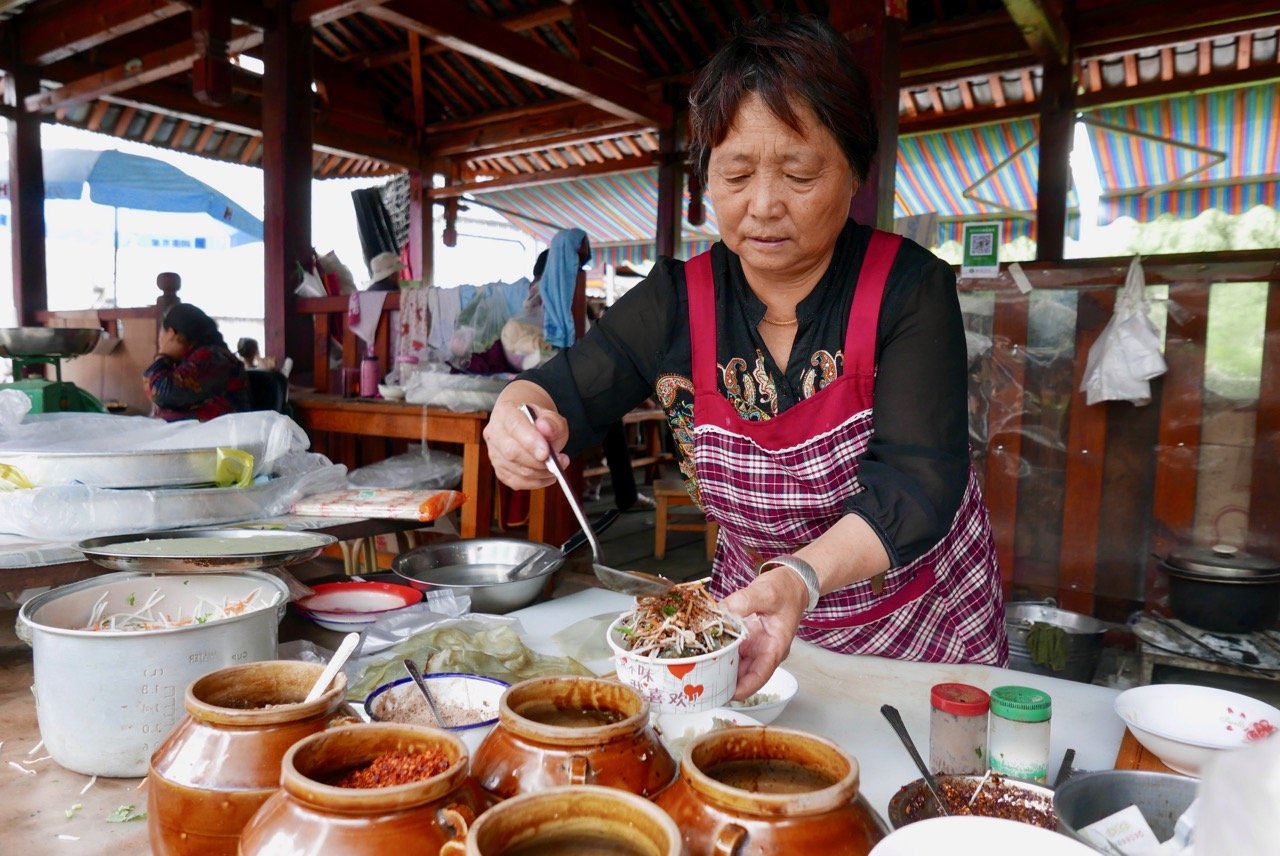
x=781, y=196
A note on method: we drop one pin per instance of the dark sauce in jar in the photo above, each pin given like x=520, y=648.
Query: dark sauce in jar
x=769, y=776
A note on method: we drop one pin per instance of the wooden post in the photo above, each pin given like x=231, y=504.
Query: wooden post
x=669, y=230
x=286, y=168
x=1057, y=127
x=875, y=31
x=421, y=233
x=26, y=191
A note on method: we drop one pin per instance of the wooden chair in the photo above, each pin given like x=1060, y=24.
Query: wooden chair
x=666, y=494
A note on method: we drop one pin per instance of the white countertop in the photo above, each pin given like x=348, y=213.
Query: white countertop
x=840, y=697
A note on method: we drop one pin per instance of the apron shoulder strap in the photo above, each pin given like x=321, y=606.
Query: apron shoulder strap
x=701, y=289
x=864, y=315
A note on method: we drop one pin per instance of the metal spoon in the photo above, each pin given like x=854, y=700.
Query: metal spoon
x=412, y=668
x=635, y=583
x=895, y=719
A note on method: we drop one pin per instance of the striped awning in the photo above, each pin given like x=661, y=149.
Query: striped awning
x=1188, y=154
x=1179, y=155
x=618, y=212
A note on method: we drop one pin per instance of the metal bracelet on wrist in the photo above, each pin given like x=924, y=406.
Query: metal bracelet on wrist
x=808, y=575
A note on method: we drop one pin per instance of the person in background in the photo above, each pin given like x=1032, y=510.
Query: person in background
x=384, y=272
x=813, y=373
x=194, y=375
x=247, y=351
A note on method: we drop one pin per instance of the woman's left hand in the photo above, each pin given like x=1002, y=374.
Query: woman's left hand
x=772, y=606
x=170, y=345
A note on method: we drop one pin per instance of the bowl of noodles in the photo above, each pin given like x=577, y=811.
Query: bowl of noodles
x=679, y=649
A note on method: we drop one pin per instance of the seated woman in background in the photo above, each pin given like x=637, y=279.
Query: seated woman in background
x=195, y=375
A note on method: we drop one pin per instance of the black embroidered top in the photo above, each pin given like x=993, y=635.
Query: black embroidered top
x=915, y=469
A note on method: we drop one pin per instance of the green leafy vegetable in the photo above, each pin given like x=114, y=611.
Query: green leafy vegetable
x=126, y=813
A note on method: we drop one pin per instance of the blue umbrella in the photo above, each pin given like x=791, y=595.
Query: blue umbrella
x=133, y=181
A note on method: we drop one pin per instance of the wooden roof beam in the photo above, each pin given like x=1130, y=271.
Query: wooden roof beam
x=319, y=12
x=1043, y=27
x=151, y=67
x=453, y=25
x=517, y=128
x=479, y=188
x=571, y=138
x=552, y=14
x=52, y=34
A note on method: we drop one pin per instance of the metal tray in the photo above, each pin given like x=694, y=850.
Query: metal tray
x=48, y=341
x=124, y=469
x=257, y=551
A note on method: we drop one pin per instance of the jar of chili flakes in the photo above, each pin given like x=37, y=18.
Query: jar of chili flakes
x=958, y=730
x=368, y=790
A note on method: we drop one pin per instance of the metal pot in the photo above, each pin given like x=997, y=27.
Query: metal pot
x=1083, y=640
x=1223, y=589
x=106, y=700
x=479, y=567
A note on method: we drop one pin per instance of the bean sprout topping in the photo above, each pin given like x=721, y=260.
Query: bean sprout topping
x=147, y=615
x=683, y=622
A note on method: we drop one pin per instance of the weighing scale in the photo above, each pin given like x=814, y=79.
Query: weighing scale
x=45, y=346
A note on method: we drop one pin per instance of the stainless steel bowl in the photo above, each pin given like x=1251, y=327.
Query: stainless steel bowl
x=1035, y=797
x=478, y=568
x=48, y=341
x=1089, y=797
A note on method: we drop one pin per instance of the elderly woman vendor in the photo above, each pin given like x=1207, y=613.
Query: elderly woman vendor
x=813, y=373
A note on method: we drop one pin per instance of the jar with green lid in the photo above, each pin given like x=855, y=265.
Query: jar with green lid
x=1018, y=739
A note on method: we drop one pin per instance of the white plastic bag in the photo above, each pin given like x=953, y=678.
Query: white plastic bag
x=1239, y=793
x=1126, y=355
x=416, y=469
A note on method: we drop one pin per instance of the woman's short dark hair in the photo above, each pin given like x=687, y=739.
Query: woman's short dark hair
x=192, y=324
x=779, y=60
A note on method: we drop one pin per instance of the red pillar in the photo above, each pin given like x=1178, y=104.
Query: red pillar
x=287, y=173
x=26, y=192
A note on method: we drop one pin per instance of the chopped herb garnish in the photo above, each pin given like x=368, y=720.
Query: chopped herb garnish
x=71, y=811
x=126, y=813
x=132, y=600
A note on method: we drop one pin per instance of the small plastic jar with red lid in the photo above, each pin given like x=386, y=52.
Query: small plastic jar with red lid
x=958, y=730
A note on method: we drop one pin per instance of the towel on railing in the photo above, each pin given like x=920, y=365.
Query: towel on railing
x=558, y=283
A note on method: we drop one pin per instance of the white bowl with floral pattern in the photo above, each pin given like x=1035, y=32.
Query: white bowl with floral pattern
x=1185, y=725
x=680, y=684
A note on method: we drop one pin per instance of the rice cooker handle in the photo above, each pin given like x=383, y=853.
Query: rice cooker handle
x=730, y=840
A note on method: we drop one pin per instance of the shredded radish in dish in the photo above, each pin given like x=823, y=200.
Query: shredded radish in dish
x=148, y=617
x=683, y=622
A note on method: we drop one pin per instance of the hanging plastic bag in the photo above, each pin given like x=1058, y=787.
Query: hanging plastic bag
x=1127, y=355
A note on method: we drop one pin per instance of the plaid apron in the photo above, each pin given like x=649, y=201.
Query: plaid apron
x=775, y=485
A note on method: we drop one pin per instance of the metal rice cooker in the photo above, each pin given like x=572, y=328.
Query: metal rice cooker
x=1223, y=588
x=106, y=700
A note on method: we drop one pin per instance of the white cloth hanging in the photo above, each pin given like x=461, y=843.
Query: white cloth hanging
x=1127, y=354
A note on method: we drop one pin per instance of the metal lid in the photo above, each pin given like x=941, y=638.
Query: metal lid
x=1223, y=561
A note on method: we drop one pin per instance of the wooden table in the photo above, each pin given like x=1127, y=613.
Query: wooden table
x=348, y=419
x=1134, y=756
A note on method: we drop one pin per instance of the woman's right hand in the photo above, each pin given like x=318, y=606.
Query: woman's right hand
x=517, y=448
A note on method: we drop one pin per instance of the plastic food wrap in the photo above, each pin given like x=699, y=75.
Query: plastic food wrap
x=76, y=512
x=417, y=469
x=382, y=503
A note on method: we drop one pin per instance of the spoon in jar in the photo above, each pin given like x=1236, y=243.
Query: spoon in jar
x=337, y=662
x=895, y=719
x=412, y=668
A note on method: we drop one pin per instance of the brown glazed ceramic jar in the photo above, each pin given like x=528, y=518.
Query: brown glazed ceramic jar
x=572, y=730
x=757, y=791
x=576, y=819
x=307, y=817
x=222, y=761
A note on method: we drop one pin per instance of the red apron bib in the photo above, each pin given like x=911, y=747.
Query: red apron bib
x=775, y=485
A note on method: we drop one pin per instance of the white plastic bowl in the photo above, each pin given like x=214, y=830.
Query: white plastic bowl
x=353, y=605
x=969, y=835
x=678, y=730
x=782, y=686
x=680, y=684
x=473, y=698
x=1185, y=725
x=391, y=393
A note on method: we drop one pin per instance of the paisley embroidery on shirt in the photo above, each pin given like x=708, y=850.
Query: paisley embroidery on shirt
x=826, y=367
x=752, y=393
x=675, y=396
